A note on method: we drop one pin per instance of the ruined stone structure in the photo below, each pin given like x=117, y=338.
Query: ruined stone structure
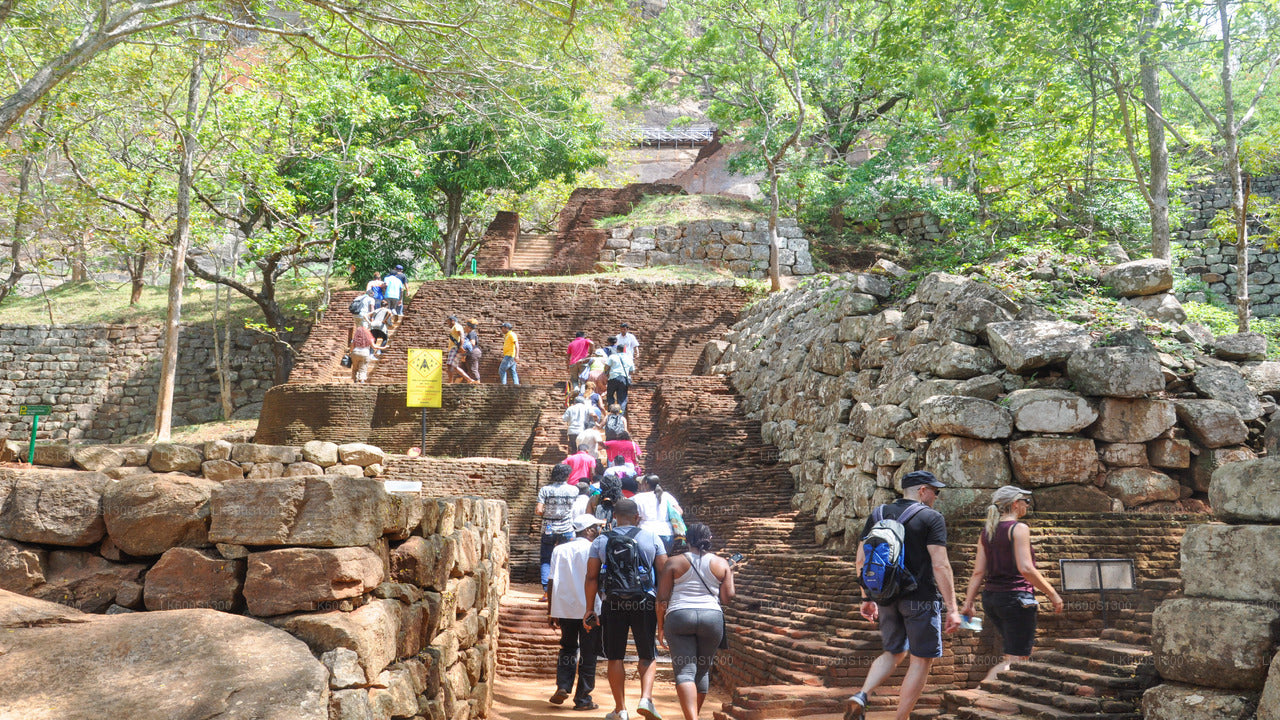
x=102, y=379
x=1210, y=259
x=1216, y=648
x=392, y=597
x=742, y=248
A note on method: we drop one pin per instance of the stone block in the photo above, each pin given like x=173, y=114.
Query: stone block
x=1232, y=562
x=85, y=581
x=1115, y=372
x=1171, y=701
x=97, y=458
x=1208, y=461
x=1123, y=454
x=1132, y=421
x=1247, y=492
x=965, y=416
x=254, y=453
x=1170, y=453
x=1214, y=643
x=53, y=507
x=148, y=514
x=221, y=470
x=883, y=421
x=217, y=450
x=1213, y=424
x=1225, y=384
x=167, y=457
x=185, y=578
x=963, y=462
x=321, y=453
x=1028, y=345
x=1050, y=411
x=370, y=630
x=21, y=567
x=1161, y=306
x=293, y=579
x=1072, y=498
x=1240, y=346
x=327, y=511
x=350, y=705
x=424, y=561
x=1038, y=461
x=344, y=668
x=349, y=471
x=954, y=361
x=1139, y=486
x=1139, y=277
x=302, y=469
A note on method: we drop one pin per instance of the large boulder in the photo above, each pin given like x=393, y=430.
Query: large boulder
x=1225, y=383
x=1027, y=345
x=966, y=417
x=254, y=453
x=1209, y=460
x=329, y=511
x=186, y=578
x=971, y=315
x=21, y=566
x=1050, y=411
x=1263, y=378
x=1138, y=486
x=1116, y=372
x=370, y=630
x=293, y=579
x=1241, y=346
x=320, y=453
x=954, y=361
x=361, y=454
x=1139, y=277
x=1171, y=453
x=1269, y=705
x=1214, y=643
x=1171, y=701
x=97, y=458
x=167, y=457
x=86, y=581
x=148, y=514
x=962, y=462
x=1247, y=492
x=54, y=507
x=1040, y=461
x=1161, y=306
x=1232, y=562
x=180, y=665
x=1212, y=423
x=424, y=561
x=1132, y=421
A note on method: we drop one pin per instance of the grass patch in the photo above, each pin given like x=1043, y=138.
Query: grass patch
x=656, y=210
x=91, y=303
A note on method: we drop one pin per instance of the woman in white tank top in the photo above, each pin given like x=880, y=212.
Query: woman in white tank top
x=692, y=591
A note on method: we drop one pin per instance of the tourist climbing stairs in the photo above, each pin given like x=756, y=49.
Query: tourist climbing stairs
x=1080, y=679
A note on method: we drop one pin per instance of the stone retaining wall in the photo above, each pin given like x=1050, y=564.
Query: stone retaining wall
x=102, y=380
x=1216, y=648
x=960, y=380
x=741, y=247
x=396, y=594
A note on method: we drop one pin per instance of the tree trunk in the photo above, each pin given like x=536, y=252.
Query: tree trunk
x=1158, y=149
x=178, y=269
x=221, y=350
x=1231, y=162
x=452, y=234
x=137, y=275
x=775, y=280
x=80, y=259
x=15, y=240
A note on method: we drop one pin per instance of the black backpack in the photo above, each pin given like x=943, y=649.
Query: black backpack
x=626, y=572
x=356, y=305
x=613, y=425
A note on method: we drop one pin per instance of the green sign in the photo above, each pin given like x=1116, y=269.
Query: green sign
x=35, y=409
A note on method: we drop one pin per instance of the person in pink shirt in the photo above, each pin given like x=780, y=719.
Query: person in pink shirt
x=579, y=350
x=624, y=446
x=583, y=464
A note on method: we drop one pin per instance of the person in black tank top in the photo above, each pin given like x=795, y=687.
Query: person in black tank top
x=1006, y=565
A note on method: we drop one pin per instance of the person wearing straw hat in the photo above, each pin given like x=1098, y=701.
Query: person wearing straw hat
x=1006, y=564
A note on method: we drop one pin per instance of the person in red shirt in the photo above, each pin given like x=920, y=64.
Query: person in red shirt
x=579, y=350
x=583, y=464
x=624, y=446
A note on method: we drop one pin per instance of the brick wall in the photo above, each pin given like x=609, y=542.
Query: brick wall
x=499, y=242
x=102, y=380
x=474, y=421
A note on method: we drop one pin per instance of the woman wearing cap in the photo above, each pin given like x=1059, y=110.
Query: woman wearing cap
x=693, y=589
x=1007, y=564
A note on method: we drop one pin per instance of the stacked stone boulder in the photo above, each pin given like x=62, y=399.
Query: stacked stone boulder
x=1146, y=285
x=1216, y=647
x=396, y=594
x=740, y=247
x=983, y=391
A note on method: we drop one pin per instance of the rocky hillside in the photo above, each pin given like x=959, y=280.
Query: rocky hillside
x=960, y=379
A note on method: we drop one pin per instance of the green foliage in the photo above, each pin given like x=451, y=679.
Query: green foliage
x=1222, y=321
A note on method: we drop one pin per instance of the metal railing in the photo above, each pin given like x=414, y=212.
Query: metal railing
x=652, y=136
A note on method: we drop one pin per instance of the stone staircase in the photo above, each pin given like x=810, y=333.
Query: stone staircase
x=527, y=645
x=1078, y=679
x=532, y=252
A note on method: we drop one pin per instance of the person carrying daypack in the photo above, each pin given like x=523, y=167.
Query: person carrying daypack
x=907, y=581
x=622, y=566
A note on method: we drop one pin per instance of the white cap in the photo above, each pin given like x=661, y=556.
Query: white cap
x=584, y=521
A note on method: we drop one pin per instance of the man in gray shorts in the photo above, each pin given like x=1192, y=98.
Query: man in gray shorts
x=913, y=623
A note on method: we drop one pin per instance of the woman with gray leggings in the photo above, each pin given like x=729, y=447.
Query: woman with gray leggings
x=692, y=590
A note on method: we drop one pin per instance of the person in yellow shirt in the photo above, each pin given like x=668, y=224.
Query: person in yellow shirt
x=510, y=354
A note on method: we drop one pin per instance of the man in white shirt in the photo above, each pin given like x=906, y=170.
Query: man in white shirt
x=566, y=606
x=620, y=368
x=578, y=416
x=629, y=345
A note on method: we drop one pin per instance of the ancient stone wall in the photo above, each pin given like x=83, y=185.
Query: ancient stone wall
x=914, y=227
x=1214, y=261
x=741, y=247
x=102, y=380
x=395, y=593
x=960, y=380
x=1216, y=647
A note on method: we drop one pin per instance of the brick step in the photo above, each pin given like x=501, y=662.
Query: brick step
x=982, y=705
x=767, y=702
x=1016, y=692
x=1106, y=651
x=1072, y=680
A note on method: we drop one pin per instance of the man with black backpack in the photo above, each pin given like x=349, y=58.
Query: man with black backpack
x=906, y=577
x=623, y=565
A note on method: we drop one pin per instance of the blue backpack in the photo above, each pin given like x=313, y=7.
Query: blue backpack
x=885, y=576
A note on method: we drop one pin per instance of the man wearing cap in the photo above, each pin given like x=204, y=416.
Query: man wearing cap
x=629, y=344
x=914, y=623
x=394, y=291
x=567, y=608
x=472, y=345
x=510, y=354
x=452, y=367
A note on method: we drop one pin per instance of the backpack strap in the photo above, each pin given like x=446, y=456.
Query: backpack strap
x=910, y=512
x=877, y=515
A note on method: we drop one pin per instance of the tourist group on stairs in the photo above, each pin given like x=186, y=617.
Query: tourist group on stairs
x=375, y=316
x=904, y=569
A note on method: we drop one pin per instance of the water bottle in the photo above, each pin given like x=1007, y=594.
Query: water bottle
x=971, y=622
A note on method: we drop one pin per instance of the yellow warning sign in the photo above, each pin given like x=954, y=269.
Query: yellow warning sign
x=425, y=378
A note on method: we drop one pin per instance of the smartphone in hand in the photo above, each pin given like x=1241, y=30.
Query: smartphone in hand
x=736, y=559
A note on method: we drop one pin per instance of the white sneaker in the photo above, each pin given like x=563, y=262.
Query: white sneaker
x=616, y=715
x=647, y=710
